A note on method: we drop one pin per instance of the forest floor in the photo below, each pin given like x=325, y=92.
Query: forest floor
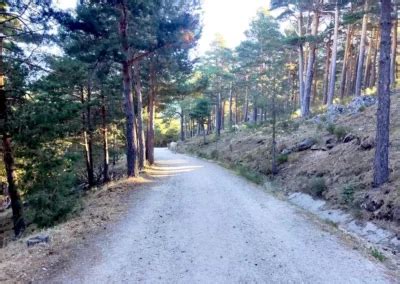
x=202, y=223
x=335, y=168
x=100, y=207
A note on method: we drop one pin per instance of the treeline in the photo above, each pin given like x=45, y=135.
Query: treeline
x=66, y=115
x=314, y=54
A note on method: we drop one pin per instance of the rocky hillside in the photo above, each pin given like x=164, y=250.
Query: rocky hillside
x=329, y=156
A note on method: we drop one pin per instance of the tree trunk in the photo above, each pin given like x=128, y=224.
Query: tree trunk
x=236, y=109
x=368, y=65
x=346, y=60
x=372, y=78
x=246, y=106
x=87, y=136
x=326, y=74
x=182, y=127
x=310, y=68
x=218, y=116
x=106, y=157
x=301, y=62
x=381, y=162
x=140, y=128
x=230, y=106
x=131, y=139
x=394, y=51
x=332, y=80
x=361, y=54
x=255, y=112
x=150, y=111
x=274, y=166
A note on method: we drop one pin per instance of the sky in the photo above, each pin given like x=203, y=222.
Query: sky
x=230, y=18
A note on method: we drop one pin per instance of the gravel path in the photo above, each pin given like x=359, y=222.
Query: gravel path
x=203, y=224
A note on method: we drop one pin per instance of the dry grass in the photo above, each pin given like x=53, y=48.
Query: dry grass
x=102, y=207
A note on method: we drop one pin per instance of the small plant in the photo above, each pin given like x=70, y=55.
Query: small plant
x=331, y=128
x=214, y=154
x=282, y=158
x=362, y=109
x=317, y=186
x=340, y=132
x=250, y=175
x=378, y=255
x=348, y=194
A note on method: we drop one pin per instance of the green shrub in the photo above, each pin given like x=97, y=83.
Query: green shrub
x=251, y=175
x=378, y=255
x=362, y=109
x=214, y=154
x=317, y=186
x=340, y=132
x=282, y=158
x=348, y=194
x=52, y=199
x=331, y=128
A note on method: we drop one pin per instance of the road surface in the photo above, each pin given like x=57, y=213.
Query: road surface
x=200, y=223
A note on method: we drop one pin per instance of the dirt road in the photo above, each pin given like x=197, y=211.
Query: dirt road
x=203, y=224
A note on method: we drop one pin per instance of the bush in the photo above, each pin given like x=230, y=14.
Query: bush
x=282, y=158
x=214, y=154
x=340, y=132
x=331, y=128
x=317, y=186
x=52, y=200
x=348, y=194
x=250, y=175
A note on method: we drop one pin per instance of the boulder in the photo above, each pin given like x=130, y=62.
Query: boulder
x=367, y=143
x=286, y=151
x=40, y=239
x=305, y=144
x=358, y=103
x=349, y=137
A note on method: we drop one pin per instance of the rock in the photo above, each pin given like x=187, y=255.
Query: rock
x=349, y=137
x=373, y=205
x=367, y=143
x=305, y=144
x=330, y=146
x=396, y=214
x=286, y=151
x=281, y=147
x=361, y=102
x=37, y=240
x=330, y=141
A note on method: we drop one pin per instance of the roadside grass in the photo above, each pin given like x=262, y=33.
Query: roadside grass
x=377, y=254
x=249, y=174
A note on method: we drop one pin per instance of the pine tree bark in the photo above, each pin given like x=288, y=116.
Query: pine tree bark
x=301, y=61
x=381, y=162
x=218, y=116
x=87, y=135
x=361, y=55
x=230, y=106
x=372, y=78
x=140, y=128
x=332, y=80
x=394, y=50
x=310, y=67
x=131, y=139
x=368, y=65
x=150, y=122
x=326, y=73
x=106, y=156
x=346, y=62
